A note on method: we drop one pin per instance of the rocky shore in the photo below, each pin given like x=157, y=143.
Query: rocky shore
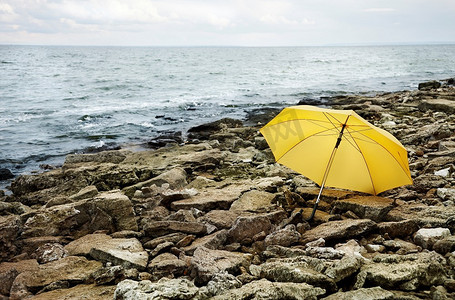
x=215, y=217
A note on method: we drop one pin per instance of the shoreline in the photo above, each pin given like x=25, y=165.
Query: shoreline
x=217, y=218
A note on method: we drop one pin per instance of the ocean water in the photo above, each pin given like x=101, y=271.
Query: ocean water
x=60, y=100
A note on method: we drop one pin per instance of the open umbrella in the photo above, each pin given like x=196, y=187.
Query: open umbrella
x=337, y=148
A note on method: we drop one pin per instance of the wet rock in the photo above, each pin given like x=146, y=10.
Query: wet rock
x=160, y=228
x=245, y=228
x=71, y=268
x=374, y=293
x=367, y=207
x=163, y=289
x=338, y=230
x=204, y=131
x=125, y=252
x=428, y=85
x=403, y=272
x=253, y=200
x=426, y=237
x=5, y=174
x=89, y=291
x=264, y=289
x=206, y=263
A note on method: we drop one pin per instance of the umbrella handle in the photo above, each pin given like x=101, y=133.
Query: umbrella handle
x=316, y=204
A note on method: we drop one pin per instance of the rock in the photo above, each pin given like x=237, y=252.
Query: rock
x=210, y=199
x=167, y=265
x=5, y=174
x=160, y=228
x=424, y=215
x=253, y=200
x=446, y=193
x=428, y=85
x=324, y=252
x=403, y=272
x=347, y=266
x=206, y=263
x=398, y=229
x=426, y=237
x=401, y=247
x=297, y=270
x=366, y=207
x=222, y=282
x=71, y=268
x=221, y=219
x=163, y=289
x=337, y=230
x=374, y=293
x=173, y=238
x=10, y=270
x=204, y=131
x=283, y=237
x=87, y=192
x=351, y=248
x=114, y=274
x=211, y=241
x=111, y=211
x=264, y=289
x=245, y=228
x=445, y=245
x=50, y=252
x=125, y=252
x=89, y=291
x=114, y=157
x=10, y=229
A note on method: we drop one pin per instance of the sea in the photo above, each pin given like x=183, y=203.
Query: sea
x=59, y=100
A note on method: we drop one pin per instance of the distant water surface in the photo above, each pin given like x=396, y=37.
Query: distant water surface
x=61, y=100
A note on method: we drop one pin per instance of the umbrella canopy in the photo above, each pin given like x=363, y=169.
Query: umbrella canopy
x=337, y=148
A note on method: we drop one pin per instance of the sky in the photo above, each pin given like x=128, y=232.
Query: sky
x=226, y=22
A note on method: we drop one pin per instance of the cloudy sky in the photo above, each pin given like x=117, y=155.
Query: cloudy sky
x=226, y=22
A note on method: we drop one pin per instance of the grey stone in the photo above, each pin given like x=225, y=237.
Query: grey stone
x=264, y=289
x=374, y=293
x=163, y=289
x=160, y=228
x=253, y=200
x=245, y=228
x=283, y=237
x=426, y=237
x=344, y=268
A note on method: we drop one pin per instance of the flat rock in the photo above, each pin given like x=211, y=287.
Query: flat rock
x=366, y=207
x=344, y=268
x=426, y=216
x=253, y=200
x=89, y=291
x=209, y=199
x=283, y=237
x=205, y=263
x=264, y=289
x=10, y=270
x=166, y=265
x=160, y=228
x=399, y=229
x=73, y=269
x=125, y=252
x=211, y=241
x=374, y=293
x=337, y=230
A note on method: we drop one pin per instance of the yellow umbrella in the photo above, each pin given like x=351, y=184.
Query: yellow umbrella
x=337, y=148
